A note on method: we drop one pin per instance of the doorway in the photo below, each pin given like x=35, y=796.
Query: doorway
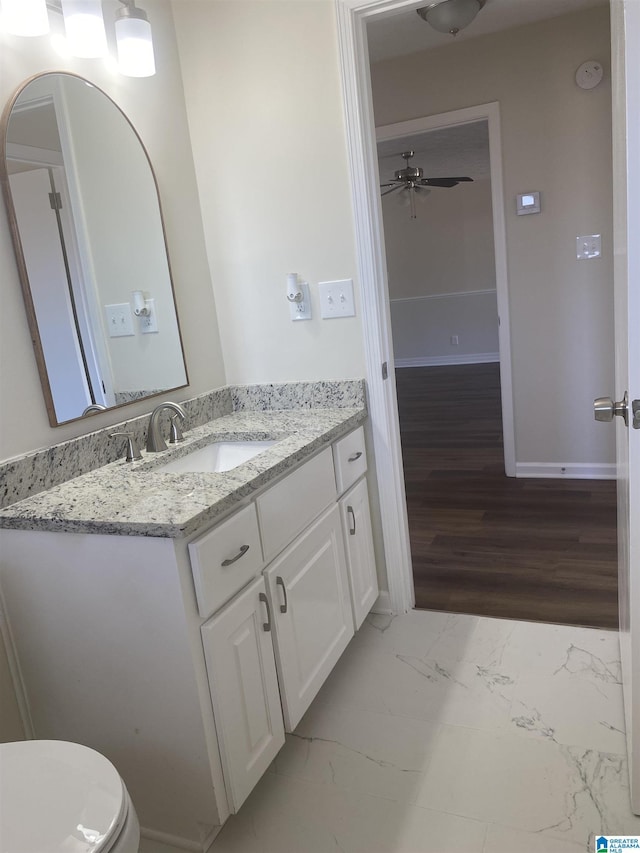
x=548, y=352
x=481, y=543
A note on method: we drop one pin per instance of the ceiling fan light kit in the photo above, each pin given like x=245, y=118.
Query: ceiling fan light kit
x=450, y=16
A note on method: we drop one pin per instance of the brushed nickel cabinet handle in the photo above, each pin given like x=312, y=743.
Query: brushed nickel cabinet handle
x=280, y=582
x=266, y=626
x=355, y=457
x=243, y=550
x=352, y=530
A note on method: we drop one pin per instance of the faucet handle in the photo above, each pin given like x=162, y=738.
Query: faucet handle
x=133, y=454
x=176, y=431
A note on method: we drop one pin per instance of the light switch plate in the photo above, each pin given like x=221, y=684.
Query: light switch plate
x=119, y=320
x=336, y=299
x=588, y=247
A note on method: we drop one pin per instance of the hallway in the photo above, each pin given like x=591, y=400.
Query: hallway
x=486, y=544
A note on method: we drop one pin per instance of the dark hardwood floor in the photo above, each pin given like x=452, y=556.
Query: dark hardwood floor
x=487, y=544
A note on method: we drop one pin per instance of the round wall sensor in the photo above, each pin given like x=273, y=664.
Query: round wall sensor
x=589, y=74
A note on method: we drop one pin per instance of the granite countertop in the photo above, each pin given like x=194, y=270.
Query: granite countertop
x=133, y=499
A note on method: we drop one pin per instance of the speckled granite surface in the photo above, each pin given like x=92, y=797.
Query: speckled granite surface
x=43, y=469
x=84, y=485
x=135, y=499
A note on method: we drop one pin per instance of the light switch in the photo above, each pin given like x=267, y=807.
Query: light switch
x=119, y=320
x=588, y=247
x=336, y=299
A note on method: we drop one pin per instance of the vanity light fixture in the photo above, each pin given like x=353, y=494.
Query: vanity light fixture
x=84, y=25
x=450, y=16
x=134, y=41
x=25, y=17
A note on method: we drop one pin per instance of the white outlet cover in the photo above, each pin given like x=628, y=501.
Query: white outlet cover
x=119, y=320
x=149, y=324
x=588, y=247
x=336, y=299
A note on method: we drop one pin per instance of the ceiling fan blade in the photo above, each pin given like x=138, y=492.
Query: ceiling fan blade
x=393, y=189
x=443, y=182
x=392, y=184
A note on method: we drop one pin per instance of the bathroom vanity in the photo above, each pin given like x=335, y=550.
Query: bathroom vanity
x=180, y=623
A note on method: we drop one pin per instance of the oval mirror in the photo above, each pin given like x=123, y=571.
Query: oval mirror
x=87, y=227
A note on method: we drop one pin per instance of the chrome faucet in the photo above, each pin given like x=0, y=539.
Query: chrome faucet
x=155, y=441
x=94, y=407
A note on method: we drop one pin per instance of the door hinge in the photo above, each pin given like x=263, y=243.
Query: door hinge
x=55, y=201
x=385, y=370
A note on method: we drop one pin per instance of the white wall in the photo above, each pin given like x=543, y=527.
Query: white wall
x=442, y=277
x=556, y=138
x=117, y=195
x=154, y=105
x=424, y=326
x=265, y=110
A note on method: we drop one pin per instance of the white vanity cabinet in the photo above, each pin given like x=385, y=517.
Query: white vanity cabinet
x=184, y=661
x=356, y=521
x=244, y=689
x=350, y=460
x=309, y=595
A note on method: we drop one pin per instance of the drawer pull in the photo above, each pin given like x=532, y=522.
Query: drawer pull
x=355, y=457
x=352, y=530
x=280, y=582
x=266, y=626
x=243, y=550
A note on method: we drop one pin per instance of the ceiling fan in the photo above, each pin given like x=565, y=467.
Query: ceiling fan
x=410, y=178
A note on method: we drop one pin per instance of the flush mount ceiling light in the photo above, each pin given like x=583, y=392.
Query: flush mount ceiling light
x=450, y=16
x=84, y=26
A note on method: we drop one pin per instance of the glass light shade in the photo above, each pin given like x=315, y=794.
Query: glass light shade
x=135, y=47
x=84, y=26
x=452, y=15
x=25, y=17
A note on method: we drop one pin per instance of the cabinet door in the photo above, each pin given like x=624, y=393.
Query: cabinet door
x=244, y=689
x=356, y=521
x=309, y=591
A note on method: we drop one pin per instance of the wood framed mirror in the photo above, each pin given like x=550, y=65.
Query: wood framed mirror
x=86, y=222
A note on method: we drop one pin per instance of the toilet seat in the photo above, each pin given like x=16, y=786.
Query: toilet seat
x=60, y=797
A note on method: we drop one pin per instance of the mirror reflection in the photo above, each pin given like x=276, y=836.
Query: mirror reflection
x=87, y=227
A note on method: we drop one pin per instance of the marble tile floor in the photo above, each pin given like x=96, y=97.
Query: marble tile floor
x=441, y=733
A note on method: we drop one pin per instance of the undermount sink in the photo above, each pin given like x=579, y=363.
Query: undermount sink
x=216, y=457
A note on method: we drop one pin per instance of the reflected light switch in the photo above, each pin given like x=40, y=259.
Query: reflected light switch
x=119, y=320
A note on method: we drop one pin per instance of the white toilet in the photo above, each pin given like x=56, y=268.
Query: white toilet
x=59, y=797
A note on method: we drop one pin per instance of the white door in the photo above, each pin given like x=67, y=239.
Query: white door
x=309, y=594
x=45, y=263
x=625, y=23
x=244, y=690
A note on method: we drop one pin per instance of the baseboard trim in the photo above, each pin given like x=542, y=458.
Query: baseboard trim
x=175, y=842
x=434, y=360
x=383, y=603
x=568, y=471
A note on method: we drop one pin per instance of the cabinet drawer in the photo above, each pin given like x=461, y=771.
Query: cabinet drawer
x=350, y=459
x=225, y=559
x=289, y=506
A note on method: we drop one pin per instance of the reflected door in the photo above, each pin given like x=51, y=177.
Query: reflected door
x=50, y=288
